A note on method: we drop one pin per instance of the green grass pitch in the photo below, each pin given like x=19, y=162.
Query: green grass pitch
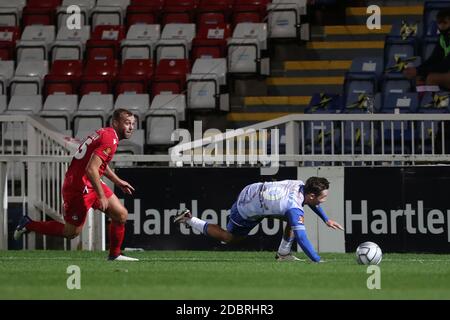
x=225, y=275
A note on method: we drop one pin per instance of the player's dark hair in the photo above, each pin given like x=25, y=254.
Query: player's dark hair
x=118, y=113
x=443, y=14
x=316, y=185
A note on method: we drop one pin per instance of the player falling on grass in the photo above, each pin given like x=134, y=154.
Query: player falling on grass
x=283, y=200
x=83, y=188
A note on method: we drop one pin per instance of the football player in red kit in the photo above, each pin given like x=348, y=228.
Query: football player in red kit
x=83, y=188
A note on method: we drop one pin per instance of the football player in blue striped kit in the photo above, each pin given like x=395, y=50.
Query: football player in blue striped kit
x=281, y=199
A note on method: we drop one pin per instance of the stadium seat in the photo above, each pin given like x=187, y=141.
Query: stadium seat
x=400, y=103
x=246, y=49
x=170, y=76
x=99, y=76
x=63, y=15
x=6, y=74
x=140, y=41
x=105, y=43
x=176, y=41
x=367, y=65
x=206, y=86
x=397, y=48
x=406, y=29
x=139, y=104
x=24, y=104
x=143, y=14
x=178, y=11
x=325, y=103
x=96, y=102
x=66, y=34
x=160, y=124
x=38, y=16
x=28, y=78
x=10, y=16
x=133, y=145
x=58, y=110
x=427, y=131
x=3, y=103
x=64, y=77
x=170, y=101
x=35, y=42
x=107, y=15
x=396, y=84
x=8, y=39
x=285, y=20
x=88, y=4
x=211, y=41
x=91, y=114
x=70, y=44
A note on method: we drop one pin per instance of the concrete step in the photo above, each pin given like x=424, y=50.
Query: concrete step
x=332, y=50
x=350, y=33
x=389, y=14
x=316, y=68
x=276, y=103
x=292, y=86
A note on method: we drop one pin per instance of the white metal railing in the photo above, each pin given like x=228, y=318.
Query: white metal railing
x=329, y=139
x=33, y=161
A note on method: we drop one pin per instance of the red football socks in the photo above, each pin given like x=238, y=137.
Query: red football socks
x=116, y=234
x=48, y=228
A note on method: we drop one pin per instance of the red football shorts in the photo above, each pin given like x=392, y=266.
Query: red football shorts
x=77, y=205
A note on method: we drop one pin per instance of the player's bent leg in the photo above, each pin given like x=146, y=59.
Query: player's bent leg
x=212, y=230
x=118, y=214
x=284, y=250
x=48, y=228
x=71, y=231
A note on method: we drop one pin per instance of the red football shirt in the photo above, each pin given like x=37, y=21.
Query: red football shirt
x=103, y=143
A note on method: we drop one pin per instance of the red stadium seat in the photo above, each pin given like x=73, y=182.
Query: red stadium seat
x=101, y=50
x=8, y=38
x=99, y=76
x=178, y=11
x=105, y=43
x=134, y=76
x=142, y=14
x=59, y=84
x=108, y=32
x=64, y=77
x=127, y=84
x=170, y=76
x=147, y=3
x=44, y=3
x=72, y=68
x=208, y=10
x=211, y=41
x=137, y=67
x=38, y=15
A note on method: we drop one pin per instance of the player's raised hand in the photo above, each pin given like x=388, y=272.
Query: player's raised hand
x=334, y=225
x=125, y=187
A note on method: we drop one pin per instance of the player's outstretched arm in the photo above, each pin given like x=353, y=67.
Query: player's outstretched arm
x=295, y=220
x=122, y=184
x=320, y=212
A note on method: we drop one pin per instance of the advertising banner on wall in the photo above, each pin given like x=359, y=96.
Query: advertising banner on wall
x=208, y=192
x=401, y=209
